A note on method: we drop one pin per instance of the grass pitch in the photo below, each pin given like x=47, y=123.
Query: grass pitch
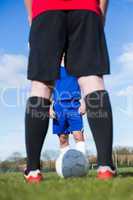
x=13, y=187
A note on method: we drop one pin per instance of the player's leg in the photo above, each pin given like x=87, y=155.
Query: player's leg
x=64, y=142
x=87, y=58
x=80, y=141
x=46, y=49
x=99, y=115
x=75, y=122
x=36, y=123
x=60, y=127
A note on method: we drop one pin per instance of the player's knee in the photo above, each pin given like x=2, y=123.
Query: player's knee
x=78, y=136
x=41, y=89
x=90, y=84
x=63, y=139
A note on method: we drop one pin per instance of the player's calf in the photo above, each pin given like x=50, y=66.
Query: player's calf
x=80, y=141
x=36, y=126
x=64, y=142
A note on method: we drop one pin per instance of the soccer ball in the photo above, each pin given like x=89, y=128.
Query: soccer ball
x=72, y=164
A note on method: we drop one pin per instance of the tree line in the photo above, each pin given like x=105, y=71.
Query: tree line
x=122, y=156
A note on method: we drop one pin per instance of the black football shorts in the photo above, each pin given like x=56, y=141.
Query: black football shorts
x=77, y=33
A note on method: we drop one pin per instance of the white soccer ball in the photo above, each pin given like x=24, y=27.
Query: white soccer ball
x=73, y=163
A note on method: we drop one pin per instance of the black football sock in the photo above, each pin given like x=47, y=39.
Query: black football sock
x=36, y=126
x=99, y=114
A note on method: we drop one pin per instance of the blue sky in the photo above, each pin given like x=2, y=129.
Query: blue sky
x=14, y=86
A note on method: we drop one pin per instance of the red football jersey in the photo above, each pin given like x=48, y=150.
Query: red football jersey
x=39, y=6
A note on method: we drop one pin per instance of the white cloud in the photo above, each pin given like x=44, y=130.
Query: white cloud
x=124, y=76
x=13, y=70
x=128, y=91
x=126, y=58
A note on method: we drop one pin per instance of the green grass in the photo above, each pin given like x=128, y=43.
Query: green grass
x=13, y=187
